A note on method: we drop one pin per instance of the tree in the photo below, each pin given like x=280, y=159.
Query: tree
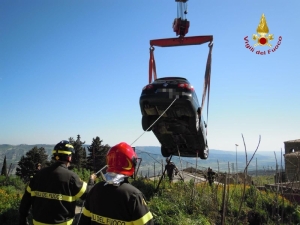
x=79, y=158
x=97, y=155
x=27, y=164
x=4, y=168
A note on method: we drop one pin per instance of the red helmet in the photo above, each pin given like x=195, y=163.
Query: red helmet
x=121, y=159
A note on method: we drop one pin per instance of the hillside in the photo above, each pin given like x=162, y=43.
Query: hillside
x=218, y=159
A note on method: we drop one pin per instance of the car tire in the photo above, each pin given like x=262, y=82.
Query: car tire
x=164, y=152
x=204, y=153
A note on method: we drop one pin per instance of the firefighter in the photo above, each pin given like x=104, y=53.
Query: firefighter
x=37, y=169
x=211, y=175
x=170, y=167
x=53, y=191
x=115, y=200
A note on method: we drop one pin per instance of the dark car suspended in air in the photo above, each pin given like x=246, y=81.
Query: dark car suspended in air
x=181, y=129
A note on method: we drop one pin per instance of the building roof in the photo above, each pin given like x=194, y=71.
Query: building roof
x=293, y=141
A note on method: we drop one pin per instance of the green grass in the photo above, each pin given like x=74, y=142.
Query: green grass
x=189, y=203
x=185, y=203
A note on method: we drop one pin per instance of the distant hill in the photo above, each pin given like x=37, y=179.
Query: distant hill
x=151, y=155
x=217, y=159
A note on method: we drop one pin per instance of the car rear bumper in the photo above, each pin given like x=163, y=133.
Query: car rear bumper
x=163, y=101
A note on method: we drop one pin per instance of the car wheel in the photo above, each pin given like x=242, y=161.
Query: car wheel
x=204, y=153
x=164, y=152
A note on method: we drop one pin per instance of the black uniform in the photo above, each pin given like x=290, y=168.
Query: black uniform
x=52, y=193
x=121, y=205
x=170, y=167
x=211, y=177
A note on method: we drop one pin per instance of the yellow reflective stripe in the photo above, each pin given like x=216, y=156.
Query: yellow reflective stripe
x=28, y=189
x=82, y=190
x=86, y=212
x=69, y=222
x=143, y=220
x=54, y=196
x=108, y=221
x=62, y=152
x=69, y=146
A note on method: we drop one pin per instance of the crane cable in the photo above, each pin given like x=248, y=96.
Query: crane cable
x=156, y=120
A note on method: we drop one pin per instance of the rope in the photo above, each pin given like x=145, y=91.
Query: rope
x=180, y=161
x=155, y=120
x=149, y=155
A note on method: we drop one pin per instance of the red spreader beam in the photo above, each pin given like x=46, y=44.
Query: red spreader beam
x=170, y=42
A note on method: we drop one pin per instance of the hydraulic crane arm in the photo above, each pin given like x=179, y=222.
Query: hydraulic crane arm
x=181, y=24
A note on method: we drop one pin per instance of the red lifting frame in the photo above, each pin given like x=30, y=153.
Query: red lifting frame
x=171, y=42
x=195, y=40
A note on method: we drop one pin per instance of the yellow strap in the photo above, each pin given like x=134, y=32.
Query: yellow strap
x=143, y=220
x=54, y=196
x=108, y=221
x=59, y=197
x=82, y=190
x=61, y=152
x=28, y=189
x=86, y=212
x=105, y=220
x=64, y=223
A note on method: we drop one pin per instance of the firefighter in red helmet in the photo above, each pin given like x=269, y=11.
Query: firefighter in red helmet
x=115, y=201
x=53, y=191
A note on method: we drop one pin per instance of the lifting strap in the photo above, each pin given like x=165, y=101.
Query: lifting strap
x=152, y=66
x=206, y=88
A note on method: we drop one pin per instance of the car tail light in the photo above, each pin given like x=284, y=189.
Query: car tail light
x=186, y=86
x=148, y=87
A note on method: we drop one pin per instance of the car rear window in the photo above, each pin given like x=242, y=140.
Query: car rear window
x=170, y=79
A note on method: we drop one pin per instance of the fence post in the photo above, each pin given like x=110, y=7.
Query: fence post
x=223, y=200
x=154, y=175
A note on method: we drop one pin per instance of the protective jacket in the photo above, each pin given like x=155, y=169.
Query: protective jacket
x=170, y=167
x=109, y=204
x=211, y=177
x=52, y=193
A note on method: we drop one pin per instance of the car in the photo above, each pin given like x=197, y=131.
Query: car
x=177, y=124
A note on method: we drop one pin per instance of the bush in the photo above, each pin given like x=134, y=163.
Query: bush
x=9, y=205
x=145, y=186
x=13, y=181
x=84, y=174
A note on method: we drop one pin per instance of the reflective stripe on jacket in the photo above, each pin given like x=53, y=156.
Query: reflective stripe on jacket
x=124, y=205
x=53, y=193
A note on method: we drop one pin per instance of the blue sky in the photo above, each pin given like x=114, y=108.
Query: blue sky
x=78, y=67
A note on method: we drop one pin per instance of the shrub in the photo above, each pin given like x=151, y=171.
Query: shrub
x=9, y=205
